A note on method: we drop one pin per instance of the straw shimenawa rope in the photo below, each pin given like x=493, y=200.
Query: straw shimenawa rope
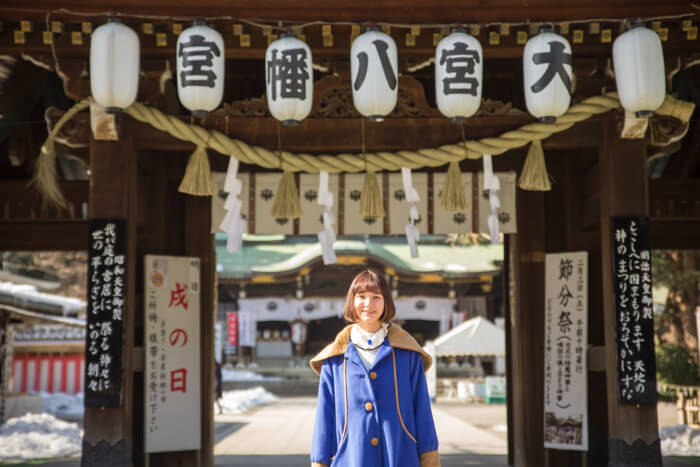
x=428, y=157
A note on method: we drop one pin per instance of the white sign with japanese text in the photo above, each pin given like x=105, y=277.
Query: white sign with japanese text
x=171, y=347
x=565, y=346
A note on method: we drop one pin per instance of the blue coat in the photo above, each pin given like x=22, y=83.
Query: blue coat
x=379, y=417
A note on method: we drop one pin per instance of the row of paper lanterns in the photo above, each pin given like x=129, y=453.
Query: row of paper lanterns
x=547, y=69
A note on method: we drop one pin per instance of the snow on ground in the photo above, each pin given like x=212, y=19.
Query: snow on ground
x=64, y=406
x=680, y=440
x=242, y=400
x=230, y=374
x=38, y=436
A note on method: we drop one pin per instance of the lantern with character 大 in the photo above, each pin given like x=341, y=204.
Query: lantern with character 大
x=547, y=73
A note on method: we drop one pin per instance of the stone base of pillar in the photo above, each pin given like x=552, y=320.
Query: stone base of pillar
x=104, y=454
x=637, y=454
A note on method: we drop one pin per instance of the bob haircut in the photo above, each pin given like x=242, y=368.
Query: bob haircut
x=369, y=280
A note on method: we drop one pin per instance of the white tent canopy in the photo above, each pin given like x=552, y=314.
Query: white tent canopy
x=478, y=336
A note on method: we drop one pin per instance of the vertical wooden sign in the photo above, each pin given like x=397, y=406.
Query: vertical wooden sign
x=636, y=362
x=105, y=309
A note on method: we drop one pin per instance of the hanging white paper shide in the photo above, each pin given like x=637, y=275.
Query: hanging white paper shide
x=200, y=68
x=458, y=75
x=374, y=73
x=638, y=60
x=547, y=73
x=114, y=65
x=289, y=79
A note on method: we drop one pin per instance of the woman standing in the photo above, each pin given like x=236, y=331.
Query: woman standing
x=373, y=404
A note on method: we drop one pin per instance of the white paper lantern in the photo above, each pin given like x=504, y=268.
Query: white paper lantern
x=547, y=73
x=289, y=79
x=114, y=65
x=200, y=68
x=374, y=72
x=638, y=60
x=459, y=65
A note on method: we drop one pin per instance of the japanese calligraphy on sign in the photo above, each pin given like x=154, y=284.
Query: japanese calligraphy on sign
x=636, y=364
x=288, y=73
x=459, y=63
x=171, y=344
x=197, y=55
x=555, y=59
x=105, y=312
x=565, y=351
x=381, y=47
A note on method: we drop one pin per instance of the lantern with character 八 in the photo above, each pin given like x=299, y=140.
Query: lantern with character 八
x=458, y=75
x=638, y=61
x=114, y=65
x=547, y=73
x=200, y=68
x=374, y=73
x=289, y=79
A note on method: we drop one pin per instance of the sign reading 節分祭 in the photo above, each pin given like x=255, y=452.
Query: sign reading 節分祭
x=565, y=347
x=171, y=345
x=634, y=316
x=105, y=310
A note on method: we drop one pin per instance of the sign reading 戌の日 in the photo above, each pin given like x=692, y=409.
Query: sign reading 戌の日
x=171, y=344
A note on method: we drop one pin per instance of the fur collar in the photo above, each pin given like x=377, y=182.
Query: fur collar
x=397, y=337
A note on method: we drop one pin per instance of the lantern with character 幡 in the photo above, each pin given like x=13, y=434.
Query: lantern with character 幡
x=638, y=60
x=374, y=73
x=547, y=73
x=458, y=75
x=114, y=65
x=289, y=79
x=200, y=68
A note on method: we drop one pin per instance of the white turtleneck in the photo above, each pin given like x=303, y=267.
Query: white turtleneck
x=367, y=343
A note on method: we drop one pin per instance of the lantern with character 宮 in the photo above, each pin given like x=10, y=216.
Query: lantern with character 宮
x=114, y=65
x=289, y=79
x=374, y=72
x=458, y=75
x=638, y=60
x=200, y=68
x=547, y=73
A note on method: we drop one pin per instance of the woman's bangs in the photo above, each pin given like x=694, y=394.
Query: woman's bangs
x=366, y=283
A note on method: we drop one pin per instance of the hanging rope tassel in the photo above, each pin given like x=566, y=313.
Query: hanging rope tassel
x=534, y=176
x=453, y=197
x=371, y=205
x=45, y=177
x=286, y=204
x=197, y=179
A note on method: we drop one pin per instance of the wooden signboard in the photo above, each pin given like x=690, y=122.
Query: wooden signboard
x=105, y=309
x=636, y=363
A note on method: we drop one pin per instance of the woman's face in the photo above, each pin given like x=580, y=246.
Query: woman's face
x=369, y=307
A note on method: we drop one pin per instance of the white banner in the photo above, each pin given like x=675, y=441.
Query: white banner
x=565, y=363
x=172, y=376
x=246, y=329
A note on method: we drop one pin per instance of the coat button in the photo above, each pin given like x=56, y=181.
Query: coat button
x=368, y=406
x=372, y=375
x=374, y=441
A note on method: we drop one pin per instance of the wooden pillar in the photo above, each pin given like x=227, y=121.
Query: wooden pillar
x=633, y=430
x=108, y=439
x=526, y=251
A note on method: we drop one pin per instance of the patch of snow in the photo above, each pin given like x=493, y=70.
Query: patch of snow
x=64, y=406
x=241, y=400
x=680, y=440
x=38, y=436
x=229, y=374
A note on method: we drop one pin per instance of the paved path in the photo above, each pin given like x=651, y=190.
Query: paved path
x=279, y=434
